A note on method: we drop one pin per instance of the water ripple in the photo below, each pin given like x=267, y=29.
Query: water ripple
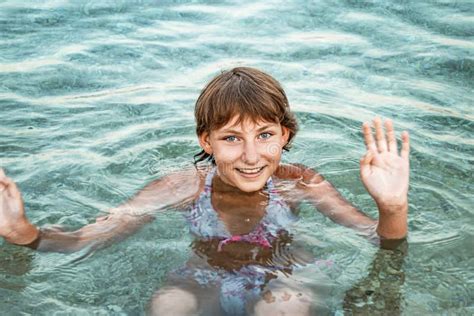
x=97, y=99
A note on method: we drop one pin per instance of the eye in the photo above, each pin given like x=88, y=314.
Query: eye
x=265, y=135
x=230, y=139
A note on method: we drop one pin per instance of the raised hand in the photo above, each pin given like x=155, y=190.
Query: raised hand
x=14, y=226
x=385, y=172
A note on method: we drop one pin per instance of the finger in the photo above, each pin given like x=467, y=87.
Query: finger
x=379, y=135
x=4, y=183
x=2, y=176
x=367, y=158
x=10, y=187
x=368, y=138
x=365, y=163
x=405, y=145
x=391, y=140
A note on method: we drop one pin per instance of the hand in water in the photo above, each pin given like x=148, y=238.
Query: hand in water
x=385, y=172
x=14, y=226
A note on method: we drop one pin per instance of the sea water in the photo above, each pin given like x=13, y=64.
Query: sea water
x=97, y=97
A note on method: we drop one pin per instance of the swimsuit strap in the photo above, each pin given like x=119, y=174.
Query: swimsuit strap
x=209, y=176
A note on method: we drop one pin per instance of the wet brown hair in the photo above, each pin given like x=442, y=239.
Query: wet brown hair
x=247, y=92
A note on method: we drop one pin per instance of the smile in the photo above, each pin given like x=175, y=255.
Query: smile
x=250, y=171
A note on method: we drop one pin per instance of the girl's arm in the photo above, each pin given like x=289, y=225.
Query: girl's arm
x=380, y=292
x=385, y=175
x=312, y=187
x=172, y=190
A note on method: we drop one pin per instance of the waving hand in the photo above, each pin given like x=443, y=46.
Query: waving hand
x=383, y=170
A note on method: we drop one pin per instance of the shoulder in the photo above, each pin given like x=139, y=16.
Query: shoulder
x=186, y=182
x=295, y=182
x=298, y=172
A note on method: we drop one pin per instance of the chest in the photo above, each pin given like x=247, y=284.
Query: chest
x=240, y=215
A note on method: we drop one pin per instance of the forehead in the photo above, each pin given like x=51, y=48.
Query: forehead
x=246, y=124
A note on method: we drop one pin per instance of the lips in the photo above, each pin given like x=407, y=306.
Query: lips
x=250, y=172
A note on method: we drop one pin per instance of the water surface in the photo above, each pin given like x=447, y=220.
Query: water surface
x=97, y=99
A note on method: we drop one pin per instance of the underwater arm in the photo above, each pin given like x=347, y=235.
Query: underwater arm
x=123, y=221
x=381, y=291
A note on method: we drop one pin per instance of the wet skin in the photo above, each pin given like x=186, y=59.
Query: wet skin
x=247, y=155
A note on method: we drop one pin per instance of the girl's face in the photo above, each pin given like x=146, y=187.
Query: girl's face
x=246, y=154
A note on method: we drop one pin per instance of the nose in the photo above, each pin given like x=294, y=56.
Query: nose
x=250, y=155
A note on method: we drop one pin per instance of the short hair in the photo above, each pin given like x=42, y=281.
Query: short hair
x=248, y=93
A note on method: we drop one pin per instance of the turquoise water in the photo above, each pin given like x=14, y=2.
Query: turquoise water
x=97, y=99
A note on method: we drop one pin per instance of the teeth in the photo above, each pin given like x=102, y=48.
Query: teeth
x=254, y=170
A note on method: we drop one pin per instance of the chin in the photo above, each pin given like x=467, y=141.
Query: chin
x=253, y=184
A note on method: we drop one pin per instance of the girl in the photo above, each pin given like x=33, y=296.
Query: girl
x=239, y=201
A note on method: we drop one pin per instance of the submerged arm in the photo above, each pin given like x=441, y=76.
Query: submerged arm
x=380, y=292
x=123, y=221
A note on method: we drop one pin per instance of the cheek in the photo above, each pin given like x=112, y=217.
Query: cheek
x=225, y=159
x=227, y=154
x=272, y=150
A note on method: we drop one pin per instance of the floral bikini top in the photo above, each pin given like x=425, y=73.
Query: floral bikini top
x=206, y=224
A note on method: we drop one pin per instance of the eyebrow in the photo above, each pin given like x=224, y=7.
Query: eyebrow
x=233, y=131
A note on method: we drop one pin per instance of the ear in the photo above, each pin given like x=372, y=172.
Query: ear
x=205, y=143
x=285, y=135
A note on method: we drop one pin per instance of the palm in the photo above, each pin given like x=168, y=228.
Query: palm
x=384, y=172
